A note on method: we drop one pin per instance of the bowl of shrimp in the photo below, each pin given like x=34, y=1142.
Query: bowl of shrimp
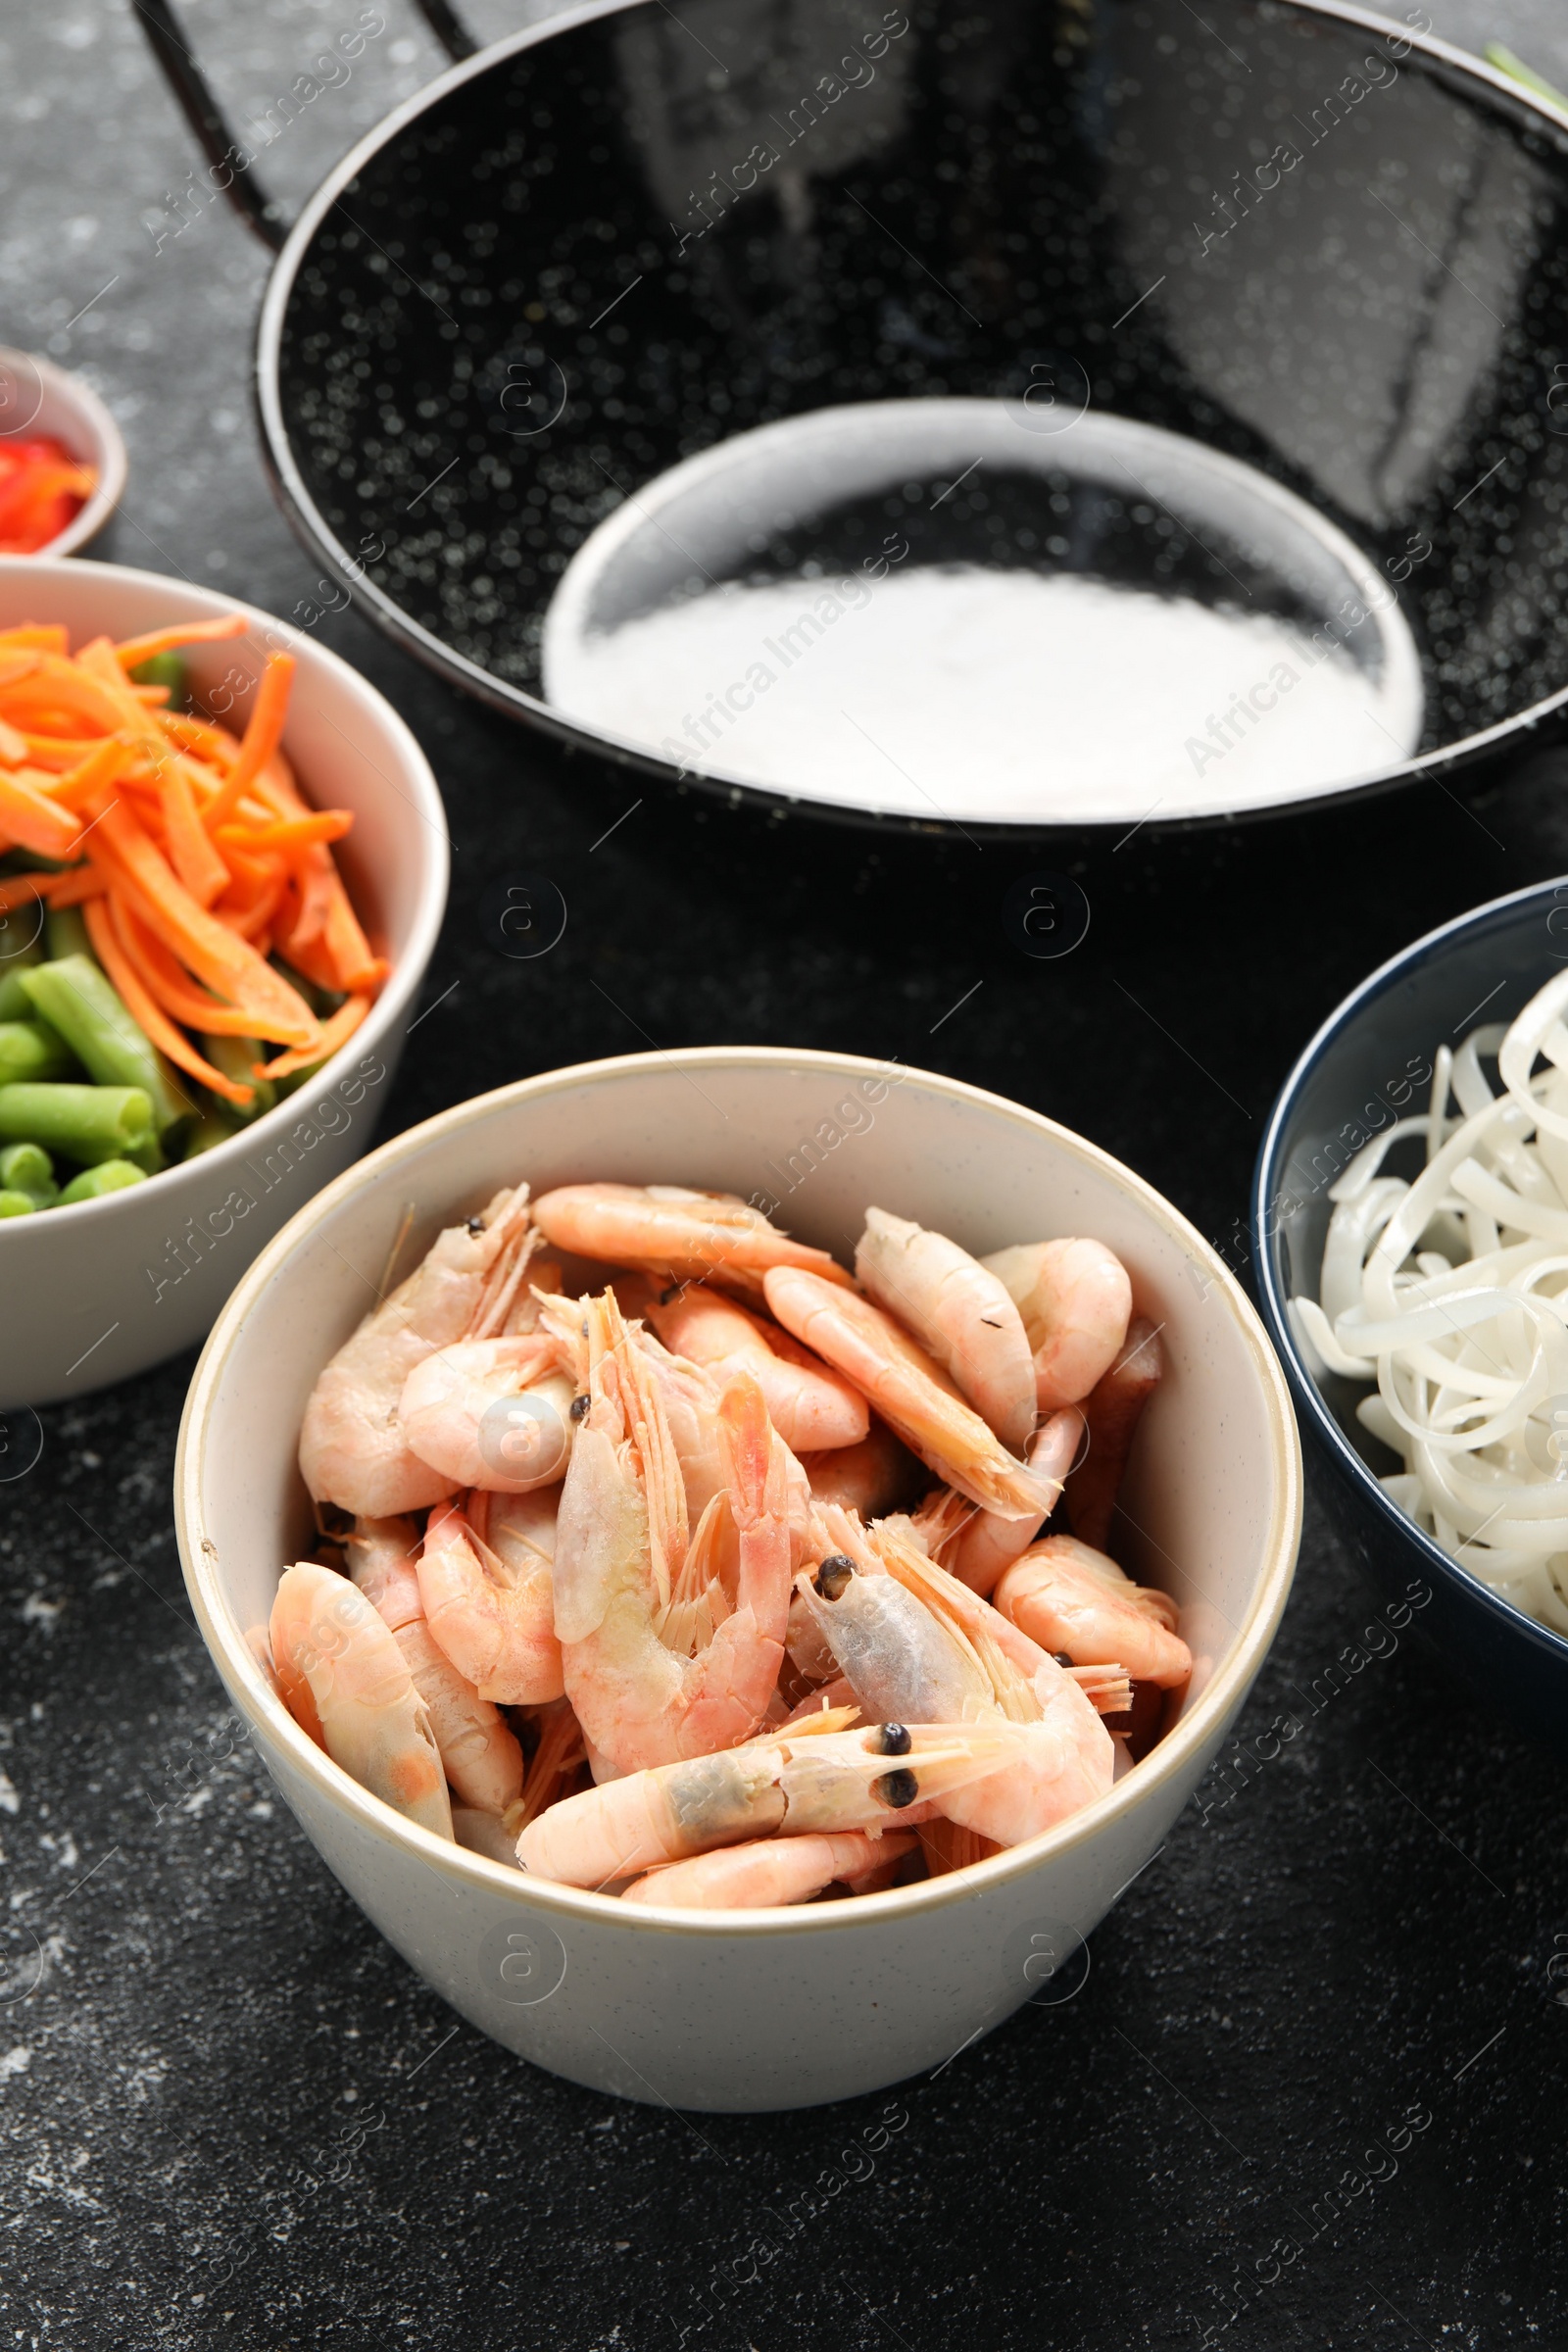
x=737, y=1557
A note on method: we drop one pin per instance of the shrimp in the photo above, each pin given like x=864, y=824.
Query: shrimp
x=1112, y=1410
x=809, y=1406
x=488, y=1603
x=767, y=1871
x=913, y=1394
x=875, y=1477
x=843, y=1780
x=491, y=1413
x=659, y=1662
x=977, y=1545
x=901, y=1661
x=1075, y=1300
x=959, y=1312
x=690, y=1237
x=1068, y=1598
x=915, y=1634
x=344, y=1679
x=479, y=1753
x=352, y=1450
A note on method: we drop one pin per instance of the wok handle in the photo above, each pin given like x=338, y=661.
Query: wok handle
x=199, y=105
x=201, y=109
x=449, y=29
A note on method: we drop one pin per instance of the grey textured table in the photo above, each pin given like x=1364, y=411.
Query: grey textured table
x=229, y=2112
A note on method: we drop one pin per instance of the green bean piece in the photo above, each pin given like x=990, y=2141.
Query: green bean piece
x=163, y=670
x=29, y=1050
x=24, y=1168
x=16, y=1204
x=92, y=1018
x=14, y=1003
x=211, y=1129
x=84, y=1123
x=148, y=1154
x=109, y=1176
x=234, y=1056
x=65, y=933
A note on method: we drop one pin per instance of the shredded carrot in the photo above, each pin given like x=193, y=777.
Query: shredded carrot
x=197, y=735
x=225, y=962
x=337, y=1030
x=68, y=888
x=50, y=636
x=150, y=1018
x=33, y=819
x=133, y=652
x=167, y=985
x=17, y=888
x=260, y=740
x=191, y=853
x=75, y=886
x=79, y=784
x=195, y=847
x=97, y=662
x=291, y=832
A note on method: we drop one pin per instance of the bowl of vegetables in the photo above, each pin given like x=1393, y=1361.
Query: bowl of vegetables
x=699, y=1211
x=224, y=869
x=1411, y=1210
x=62, y=460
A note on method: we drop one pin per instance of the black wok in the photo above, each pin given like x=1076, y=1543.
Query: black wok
x=1323, y=244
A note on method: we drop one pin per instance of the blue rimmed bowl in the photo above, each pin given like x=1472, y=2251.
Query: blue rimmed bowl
x=1370, y=1063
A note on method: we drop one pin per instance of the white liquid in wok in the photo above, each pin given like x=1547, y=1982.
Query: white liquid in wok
x=966, y=692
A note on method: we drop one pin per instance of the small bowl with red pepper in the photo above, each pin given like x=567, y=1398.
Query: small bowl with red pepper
x=62, y=460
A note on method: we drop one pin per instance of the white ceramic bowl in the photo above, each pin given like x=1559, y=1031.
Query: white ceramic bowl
x=756, y=2009
x=37, y=397
x=102, y=1290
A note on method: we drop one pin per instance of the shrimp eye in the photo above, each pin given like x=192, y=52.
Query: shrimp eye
x=1061, y=1658
x=895, y=1789
x=475, y=1226
x=580, y=1405
x=891, y=1740
x=833, y=1575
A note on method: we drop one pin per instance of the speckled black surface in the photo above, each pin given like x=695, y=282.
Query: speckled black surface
x=1364, y=1928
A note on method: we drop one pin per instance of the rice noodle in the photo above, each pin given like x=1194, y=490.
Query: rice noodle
x=1449, y=1290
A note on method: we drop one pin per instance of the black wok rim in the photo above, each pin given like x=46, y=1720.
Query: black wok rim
x=316, y=534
